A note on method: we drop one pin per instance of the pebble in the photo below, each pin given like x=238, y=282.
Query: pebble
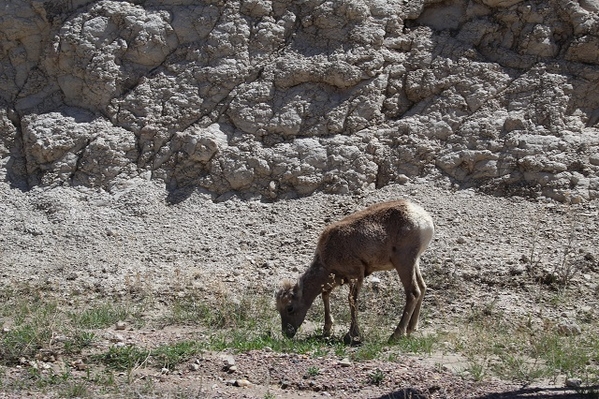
x=117, y=338
x=121, y=325
x=573, y=382
x=568, y=329
x=228, y=360
x=194, y=367
x=517, y=270
x=79, y=365
x=242, y=383
x=345, y=362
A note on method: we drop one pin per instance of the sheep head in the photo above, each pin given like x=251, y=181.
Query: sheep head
x=291, y=307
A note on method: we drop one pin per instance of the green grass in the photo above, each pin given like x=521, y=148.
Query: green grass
x=22, y=341
x=75, y=390
x=376, y=377
x=516, y=349
x=124, y=358
x=32, y=330
x=170, y=355
x=99, y=316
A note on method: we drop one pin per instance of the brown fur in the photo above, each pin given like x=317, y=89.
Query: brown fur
x=385, y=236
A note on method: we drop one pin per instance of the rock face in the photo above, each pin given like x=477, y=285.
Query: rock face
x=282, y=98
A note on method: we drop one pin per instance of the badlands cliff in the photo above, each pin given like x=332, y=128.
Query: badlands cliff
x=282, y=98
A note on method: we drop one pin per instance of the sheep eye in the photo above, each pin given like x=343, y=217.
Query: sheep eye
x=290, y=309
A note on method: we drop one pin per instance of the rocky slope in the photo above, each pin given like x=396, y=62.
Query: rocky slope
x=281, y=98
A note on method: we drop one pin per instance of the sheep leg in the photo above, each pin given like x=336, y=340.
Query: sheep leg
x=354, y=336
x=328, y=320
x=413, y=324
x=411, y=285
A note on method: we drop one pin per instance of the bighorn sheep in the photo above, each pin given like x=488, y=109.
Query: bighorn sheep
x=385, y=236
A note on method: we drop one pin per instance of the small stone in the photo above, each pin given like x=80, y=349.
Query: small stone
x=61, y=338
x=165, y=371
x=228, y=362
x=517, y=270
x=79, y=365
x=120, y=325
x=461, y=240
x=345, y=362
x=568, y=329
x=242, y=383
x=573, y=382
x=194, y=367
x=232, y=369
x=117, y=338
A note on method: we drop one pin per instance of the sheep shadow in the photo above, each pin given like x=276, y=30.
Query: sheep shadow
x=545, y=393
x=406, y=393
x=522, y=393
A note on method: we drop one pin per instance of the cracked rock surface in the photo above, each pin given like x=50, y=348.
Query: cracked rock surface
x=279, y=99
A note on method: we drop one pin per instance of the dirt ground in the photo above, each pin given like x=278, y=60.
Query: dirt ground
x=80, y=244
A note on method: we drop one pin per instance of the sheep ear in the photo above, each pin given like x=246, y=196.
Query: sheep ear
x=286, y=284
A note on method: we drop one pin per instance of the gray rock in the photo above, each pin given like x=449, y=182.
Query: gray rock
x=568, y=328
x=573, y=382
x=255, y=97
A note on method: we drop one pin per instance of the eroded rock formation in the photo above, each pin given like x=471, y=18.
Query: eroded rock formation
x=282, y=98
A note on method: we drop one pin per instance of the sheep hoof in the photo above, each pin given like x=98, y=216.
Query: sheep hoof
x=352, y=340
x=395, y=338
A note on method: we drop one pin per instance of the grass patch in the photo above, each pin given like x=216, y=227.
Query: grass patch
x=124, y=358
x=376, y=377
x=516, y=349
x=422, y=344
x=100, y=316
x=75, y=389
x=170, y=355
x=522, y=349
x=32, y=330
x=22, y=341
x=248, y=312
